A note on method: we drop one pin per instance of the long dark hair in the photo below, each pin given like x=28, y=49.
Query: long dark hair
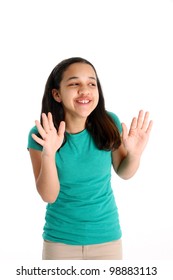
x=99, y=123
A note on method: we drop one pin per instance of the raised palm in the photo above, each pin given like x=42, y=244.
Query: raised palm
x=51, y=138
x=136, y=139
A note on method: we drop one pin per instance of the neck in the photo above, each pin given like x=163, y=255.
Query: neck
x=75, y=125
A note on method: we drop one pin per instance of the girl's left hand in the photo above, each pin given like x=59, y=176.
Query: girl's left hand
x=136, y=139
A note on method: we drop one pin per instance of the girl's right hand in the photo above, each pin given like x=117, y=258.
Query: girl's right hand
x=51, y=139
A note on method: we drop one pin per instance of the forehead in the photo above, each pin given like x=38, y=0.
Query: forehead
x=79, y=70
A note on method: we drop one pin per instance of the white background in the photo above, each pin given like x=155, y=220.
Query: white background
x=131, y=45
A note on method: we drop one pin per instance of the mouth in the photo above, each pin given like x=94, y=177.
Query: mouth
x=83, y=101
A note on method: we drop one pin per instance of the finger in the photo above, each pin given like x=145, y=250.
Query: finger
x=38, y=139
x=61, y=128
x=50, y=121
x=40, y=129
x=149, y=127
x=140, y=119
x=145, y=121
x=133, y=124
x=124, y=132
x=45, y=122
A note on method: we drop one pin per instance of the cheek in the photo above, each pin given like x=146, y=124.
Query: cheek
x=67, y=100
x=97, y=97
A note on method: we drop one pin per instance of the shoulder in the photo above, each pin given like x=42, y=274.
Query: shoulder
x=33, y=130
x=31, y=142
x=115, y=119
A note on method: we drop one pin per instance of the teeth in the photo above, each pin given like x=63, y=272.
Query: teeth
x=83, y=101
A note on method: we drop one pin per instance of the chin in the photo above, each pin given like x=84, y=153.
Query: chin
x=85, y=114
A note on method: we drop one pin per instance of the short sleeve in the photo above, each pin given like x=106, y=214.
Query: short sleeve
x=116, y=121
x=31, y=142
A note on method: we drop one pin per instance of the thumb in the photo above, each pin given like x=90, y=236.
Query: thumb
x=61, y=129
x=124, y=132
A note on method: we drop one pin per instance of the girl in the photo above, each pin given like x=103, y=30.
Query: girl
x=72, y=149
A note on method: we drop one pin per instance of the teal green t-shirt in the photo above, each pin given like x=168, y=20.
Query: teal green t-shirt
x=85, y=210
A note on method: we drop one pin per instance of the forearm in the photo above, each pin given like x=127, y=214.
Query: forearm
x=47, y=182
x=128, y=166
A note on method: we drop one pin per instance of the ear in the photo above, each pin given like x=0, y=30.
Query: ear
x=56, y=95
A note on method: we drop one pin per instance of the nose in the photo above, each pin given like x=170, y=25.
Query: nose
x=83, y=90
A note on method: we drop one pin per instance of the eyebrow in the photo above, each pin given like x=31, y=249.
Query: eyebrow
x=74, y=77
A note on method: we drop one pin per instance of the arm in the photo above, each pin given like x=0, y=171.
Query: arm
x=46, y=176
x=126, y=158
x=44, y=165
x=125, y=165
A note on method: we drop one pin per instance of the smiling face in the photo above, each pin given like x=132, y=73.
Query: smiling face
x=78, y=91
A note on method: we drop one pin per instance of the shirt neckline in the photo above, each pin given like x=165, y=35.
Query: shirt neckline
x=75, y=135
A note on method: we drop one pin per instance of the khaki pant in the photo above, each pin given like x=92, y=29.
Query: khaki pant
x=104, y=251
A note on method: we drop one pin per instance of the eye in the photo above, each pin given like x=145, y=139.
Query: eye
x=92, y=84
x=73, y=84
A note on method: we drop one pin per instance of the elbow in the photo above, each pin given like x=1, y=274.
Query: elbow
x=48, y=195
x=125, y=176
x=51, y=198
x=122, y=175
